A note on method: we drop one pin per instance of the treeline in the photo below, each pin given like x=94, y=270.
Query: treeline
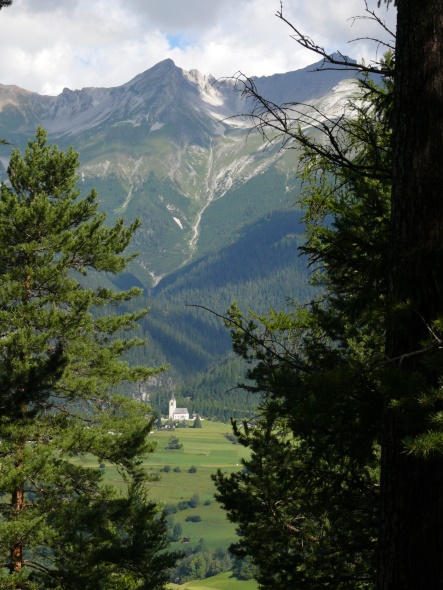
x=200, y=563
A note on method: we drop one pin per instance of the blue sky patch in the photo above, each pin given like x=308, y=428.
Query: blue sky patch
x=179, y=41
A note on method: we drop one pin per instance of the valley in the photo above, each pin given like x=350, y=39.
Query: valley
x=206, y=449
x=217, y=205
x=220, y=222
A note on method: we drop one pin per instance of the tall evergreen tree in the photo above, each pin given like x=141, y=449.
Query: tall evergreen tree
x=412, y=461
x=311, y=486
x=60, y=352
x=407, y=291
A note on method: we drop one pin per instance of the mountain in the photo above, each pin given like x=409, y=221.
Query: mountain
x=216, y=203
x=167, y=146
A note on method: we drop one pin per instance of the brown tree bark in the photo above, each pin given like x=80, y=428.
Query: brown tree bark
x=17, y=550
x=411, y=530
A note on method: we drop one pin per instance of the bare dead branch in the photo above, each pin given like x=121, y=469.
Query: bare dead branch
x=282, y=124
x=307, y=43
x=374, y=17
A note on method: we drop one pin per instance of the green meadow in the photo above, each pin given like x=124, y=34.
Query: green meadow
x=221, y=582
x=207, y=449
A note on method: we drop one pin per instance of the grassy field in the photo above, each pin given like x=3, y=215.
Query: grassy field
x=207, y=449
x=221, y=582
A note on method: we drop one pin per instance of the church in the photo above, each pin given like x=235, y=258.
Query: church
x=177, y=413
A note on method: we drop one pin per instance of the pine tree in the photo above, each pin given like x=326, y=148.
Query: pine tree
x=60, y=353
x=310, y=487
x=392, y=302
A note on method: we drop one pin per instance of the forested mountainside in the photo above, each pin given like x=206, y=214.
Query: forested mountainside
x=257, y=270
x=219, y=220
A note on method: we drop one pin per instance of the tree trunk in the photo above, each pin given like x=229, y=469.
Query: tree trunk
x=17, y=550
x=411, y=531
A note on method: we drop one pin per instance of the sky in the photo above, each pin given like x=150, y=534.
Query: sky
x=46, y=45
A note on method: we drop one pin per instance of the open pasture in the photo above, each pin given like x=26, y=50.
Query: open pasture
x=207, y=449
x=223, y=581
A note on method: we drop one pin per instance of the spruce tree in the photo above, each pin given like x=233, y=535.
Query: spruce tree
x=61, y=351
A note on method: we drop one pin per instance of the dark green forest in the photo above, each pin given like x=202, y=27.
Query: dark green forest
x=256, y=270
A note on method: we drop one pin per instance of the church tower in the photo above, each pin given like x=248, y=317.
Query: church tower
x=172, y=406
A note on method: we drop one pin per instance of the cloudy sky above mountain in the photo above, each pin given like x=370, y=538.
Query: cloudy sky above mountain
x=49, y=44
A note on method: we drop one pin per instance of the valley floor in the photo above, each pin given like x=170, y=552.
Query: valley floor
x=222, y=581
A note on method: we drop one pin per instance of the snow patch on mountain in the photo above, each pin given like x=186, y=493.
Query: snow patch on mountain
x=155, y=278
x=337, y=102
x=97, y=169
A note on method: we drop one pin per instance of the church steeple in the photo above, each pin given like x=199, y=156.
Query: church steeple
x=172, y=406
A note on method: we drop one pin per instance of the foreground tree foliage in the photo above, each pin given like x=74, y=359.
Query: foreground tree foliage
x=60, y=350
x=352, y=384
x=307, y=501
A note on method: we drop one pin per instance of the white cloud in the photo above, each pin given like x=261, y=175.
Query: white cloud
x=50, y=44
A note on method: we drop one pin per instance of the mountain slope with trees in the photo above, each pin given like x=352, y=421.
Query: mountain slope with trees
x=170, y=148
x=215, y=206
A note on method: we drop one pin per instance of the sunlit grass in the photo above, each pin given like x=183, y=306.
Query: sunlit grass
x=207, y=449
x=223, y=581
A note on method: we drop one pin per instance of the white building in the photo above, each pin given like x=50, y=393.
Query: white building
x=177, y=413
